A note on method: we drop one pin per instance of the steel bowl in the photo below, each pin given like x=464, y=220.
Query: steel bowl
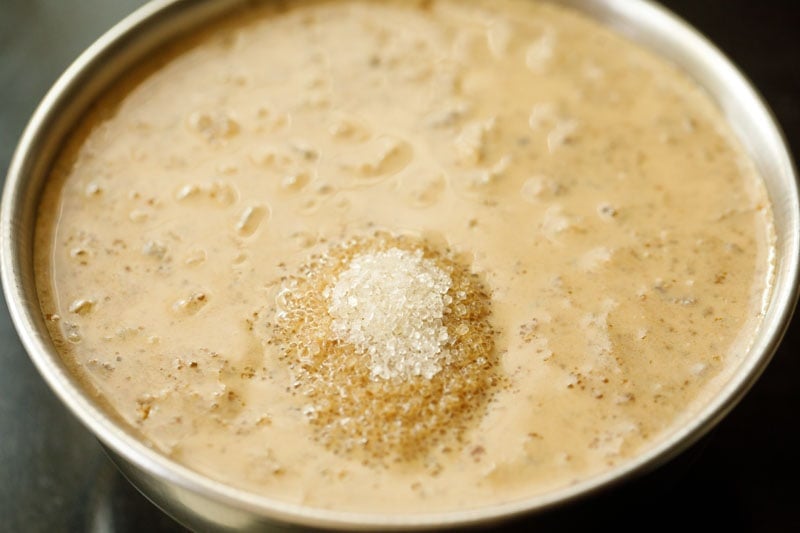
x=204, y=504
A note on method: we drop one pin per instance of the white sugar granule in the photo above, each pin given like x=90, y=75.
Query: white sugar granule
x=390, y=306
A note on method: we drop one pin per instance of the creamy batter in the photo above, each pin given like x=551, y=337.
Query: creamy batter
x=621, y=233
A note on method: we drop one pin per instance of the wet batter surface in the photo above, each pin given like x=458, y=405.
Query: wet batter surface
x=623, y=238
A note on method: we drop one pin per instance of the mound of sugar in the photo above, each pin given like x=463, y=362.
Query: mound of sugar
x=390, y=306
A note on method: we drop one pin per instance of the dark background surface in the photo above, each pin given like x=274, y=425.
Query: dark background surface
x=743, y=477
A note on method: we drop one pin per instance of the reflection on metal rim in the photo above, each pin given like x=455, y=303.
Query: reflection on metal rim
x=205, y=504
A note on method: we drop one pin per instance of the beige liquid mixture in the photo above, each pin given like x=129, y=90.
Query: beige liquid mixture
x=622, y=235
